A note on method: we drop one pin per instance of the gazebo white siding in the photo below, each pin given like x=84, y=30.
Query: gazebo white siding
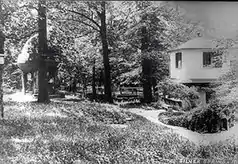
x=192, y=69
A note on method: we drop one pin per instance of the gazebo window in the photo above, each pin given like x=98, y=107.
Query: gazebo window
x=207, y=59
x=212, y=59
x=178, y=60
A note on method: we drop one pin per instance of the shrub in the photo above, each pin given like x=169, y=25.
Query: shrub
x=226, y=85
x=189, y=95
x=212, y=118
x=106, y=114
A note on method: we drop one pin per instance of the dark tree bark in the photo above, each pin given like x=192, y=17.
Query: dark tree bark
x=2, y=39
x=103, y=34
x=1, y=92
x=43, y=87
x=93, y=81
x=102, y=29
x=146, y=67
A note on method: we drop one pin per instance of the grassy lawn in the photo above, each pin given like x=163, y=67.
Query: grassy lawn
x=84, y=132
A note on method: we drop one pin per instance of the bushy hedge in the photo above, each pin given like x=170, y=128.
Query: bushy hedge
x=189, y=95
x=211, y=118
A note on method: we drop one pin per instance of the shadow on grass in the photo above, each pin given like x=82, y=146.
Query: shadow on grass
x=68, y=99
x=15, y=128
x=51, y=139
x=46, y=138
x=131, y=105
x=145, y=106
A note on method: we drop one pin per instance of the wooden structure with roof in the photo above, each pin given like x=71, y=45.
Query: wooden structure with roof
x=28, y=62
x=197, y=63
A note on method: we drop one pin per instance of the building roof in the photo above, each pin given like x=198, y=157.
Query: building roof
x=198, y=43
x=25, y=54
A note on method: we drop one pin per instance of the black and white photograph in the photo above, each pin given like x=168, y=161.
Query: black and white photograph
x=118, y=82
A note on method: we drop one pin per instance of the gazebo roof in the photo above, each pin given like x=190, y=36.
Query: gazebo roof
x=24, y=56
x=198, y=43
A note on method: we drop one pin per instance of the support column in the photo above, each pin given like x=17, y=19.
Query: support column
x=36, y=83
x=202, y=97
x=24, y=81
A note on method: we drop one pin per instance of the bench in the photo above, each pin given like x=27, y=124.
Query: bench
x=126, y=97
x=172, y=101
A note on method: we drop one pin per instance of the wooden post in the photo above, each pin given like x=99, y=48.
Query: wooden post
x=24, y=82
x=36, y=87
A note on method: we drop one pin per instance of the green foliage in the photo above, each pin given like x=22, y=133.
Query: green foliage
x=19, y=23
x=160, y=65
x=179, y=91
x=221, y=151
x=60, y=133
x=79, y=39
x=202, y=119
x=66, y=132
x=11, y=74
x=226, y=86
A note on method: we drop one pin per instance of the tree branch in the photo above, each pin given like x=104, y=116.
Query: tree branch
x=14, y=36
x=83, y=23
x=84, y=35
x=85, y=16
x=122, y=22
x=28, y=7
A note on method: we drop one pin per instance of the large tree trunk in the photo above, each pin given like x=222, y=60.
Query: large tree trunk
x=43, y=87
x=2, y=39
x=93, y=82
x=107, y=77
x=146, y=67
x=1, y=92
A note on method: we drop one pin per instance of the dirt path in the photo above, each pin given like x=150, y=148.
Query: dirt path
x=197, y=138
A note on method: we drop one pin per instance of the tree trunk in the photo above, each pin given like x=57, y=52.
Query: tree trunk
x=93, y=81
x=103, y=34
x=24, y=82
x=146, y=67
x=1, y=92
x=43, y=87
x=2, y=39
